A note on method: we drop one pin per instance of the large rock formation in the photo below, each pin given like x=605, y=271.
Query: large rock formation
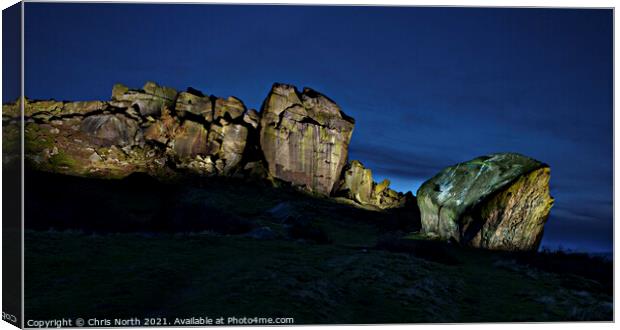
x=153, y=129
x=500, y=201
x=299, y=138
x=304, y=138
x=357, y=184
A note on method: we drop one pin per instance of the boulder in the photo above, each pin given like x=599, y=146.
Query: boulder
x=190, y=139
x=386, y=198
x=357, y=184
x=252, y=118
x=163, y=129
x=499, y=202
x=148, y=101
x=112, y=129
x=232, y=106
x=195, y=103
x=118, y=90
x=165, y=93
x=233, y=144
x=304, y=138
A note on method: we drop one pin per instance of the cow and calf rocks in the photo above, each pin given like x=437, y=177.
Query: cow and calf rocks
x=301, y=138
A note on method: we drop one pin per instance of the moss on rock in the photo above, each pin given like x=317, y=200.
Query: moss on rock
x=499, y=201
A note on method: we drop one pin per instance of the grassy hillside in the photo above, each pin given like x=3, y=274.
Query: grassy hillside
x=140, y=248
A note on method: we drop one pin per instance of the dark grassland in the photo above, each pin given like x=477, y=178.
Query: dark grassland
x=140, y=248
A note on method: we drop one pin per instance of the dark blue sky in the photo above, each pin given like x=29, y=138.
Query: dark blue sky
x=429, y=87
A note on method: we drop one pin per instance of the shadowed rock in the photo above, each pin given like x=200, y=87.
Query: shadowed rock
x=252, y=118
x=163, y=129
x=500, y=201
x=231, y=106
x=305, y=138
x=233, y=144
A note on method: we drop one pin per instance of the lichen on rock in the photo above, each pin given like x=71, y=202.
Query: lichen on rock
x=357, y=184
x=500, y=201
x=304, y=138
x=148, y=101
x=298, y=138
x=194, y=103
x=112, y=129
x=137, y=130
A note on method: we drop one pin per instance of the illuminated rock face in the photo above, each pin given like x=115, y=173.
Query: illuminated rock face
x=357, y=184
x=153, y=129
x=300, y=138
x=304, y=138
x=498, y=202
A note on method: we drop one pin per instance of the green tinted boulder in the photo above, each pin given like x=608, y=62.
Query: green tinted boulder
x=500, y=201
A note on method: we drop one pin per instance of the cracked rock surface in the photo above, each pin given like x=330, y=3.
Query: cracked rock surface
x=300, y=138
x=304, y=138
x=153, y=129
x=500, y=201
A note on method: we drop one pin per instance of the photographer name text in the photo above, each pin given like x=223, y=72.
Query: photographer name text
x=157, y=321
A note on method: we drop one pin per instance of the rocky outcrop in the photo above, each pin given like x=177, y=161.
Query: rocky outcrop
x=49, y=109
x=304, y=138
x=194, y=103
x=153, y=129
x=112, y=129
x=357, y=184
x=190, y=140
x=147, y=102
x=214, y=134
x=298, y=138
x=500, y=202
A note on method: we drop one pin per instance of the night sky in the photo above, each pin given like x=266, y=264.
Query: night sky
x=428, y=87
